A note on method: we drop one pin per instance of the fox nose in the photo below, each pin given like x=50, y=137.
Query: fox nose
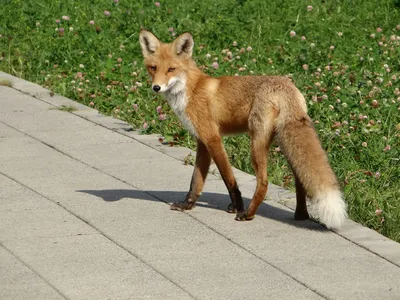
x=156, y=88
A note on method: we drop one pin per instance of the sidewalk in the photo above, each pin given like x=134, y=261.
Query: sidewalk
x=84, y=215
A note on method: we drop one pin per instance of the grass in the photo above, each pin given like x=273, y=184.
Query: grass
x=5, y=82
x=68, y=108
x=343, y=55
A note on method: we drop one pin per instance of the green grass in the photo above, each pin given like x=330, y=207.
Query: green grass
x=350, y=87
x=68, y=108
x=5, y=82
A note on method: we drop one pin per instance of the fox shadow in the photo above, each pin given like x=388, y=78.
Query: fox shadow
x=208, y=200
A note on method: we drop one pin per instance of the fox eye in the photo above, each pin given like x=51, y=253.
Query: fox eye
x=171, y=70
x=153, y=68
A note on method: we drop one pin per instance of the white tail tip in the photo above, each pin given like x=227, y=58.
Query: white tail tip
x=330, y=208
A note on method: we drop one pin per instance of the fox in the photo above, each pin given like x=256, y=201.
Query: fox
x=268, y=108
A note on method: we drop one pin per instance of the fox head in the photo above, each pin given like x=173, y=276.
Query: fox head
x=167, y=64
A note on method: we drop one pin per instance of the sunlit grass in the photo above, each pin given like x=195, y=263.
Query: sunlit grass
x=5, y=82
x=68, y=108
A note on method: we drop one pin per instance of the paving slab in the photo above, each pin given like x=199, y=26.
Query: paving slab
x=101, y=191
x=19, y=282
x=92, y=267
x=67, y=256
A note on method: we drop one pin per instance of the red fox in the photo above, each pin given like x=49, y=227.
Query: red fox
x=266, y=107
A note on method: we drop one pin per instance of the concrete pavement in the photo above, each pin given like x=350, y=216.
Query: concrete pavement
x=84, y=215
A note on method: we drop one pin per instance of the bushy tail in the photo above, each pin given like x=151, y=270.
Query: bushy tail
x=299, y=142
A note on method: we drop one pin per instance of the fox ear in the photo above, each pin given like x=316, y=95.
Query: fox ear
x=183, y=44
x=148, y=42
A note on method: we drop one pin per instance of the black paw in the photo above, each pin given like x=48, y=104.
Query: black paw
x=181, y=206
x=301, y=215
x=231, y=208
x=243, y=216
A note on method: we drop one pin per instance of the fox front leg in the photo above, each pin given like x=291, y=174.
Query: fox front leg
x=218, y=154
x=202, y=164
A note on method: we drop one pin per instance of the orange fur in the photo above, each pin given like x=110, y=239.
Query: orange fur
x=264, y=106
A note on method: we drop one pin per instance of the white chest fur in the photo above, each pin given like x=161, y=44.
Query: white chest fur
x=178, y=101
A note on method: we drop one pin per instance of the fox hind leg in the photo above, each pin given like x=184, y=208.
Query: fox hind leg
x=301, y=206
x=261, y=134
